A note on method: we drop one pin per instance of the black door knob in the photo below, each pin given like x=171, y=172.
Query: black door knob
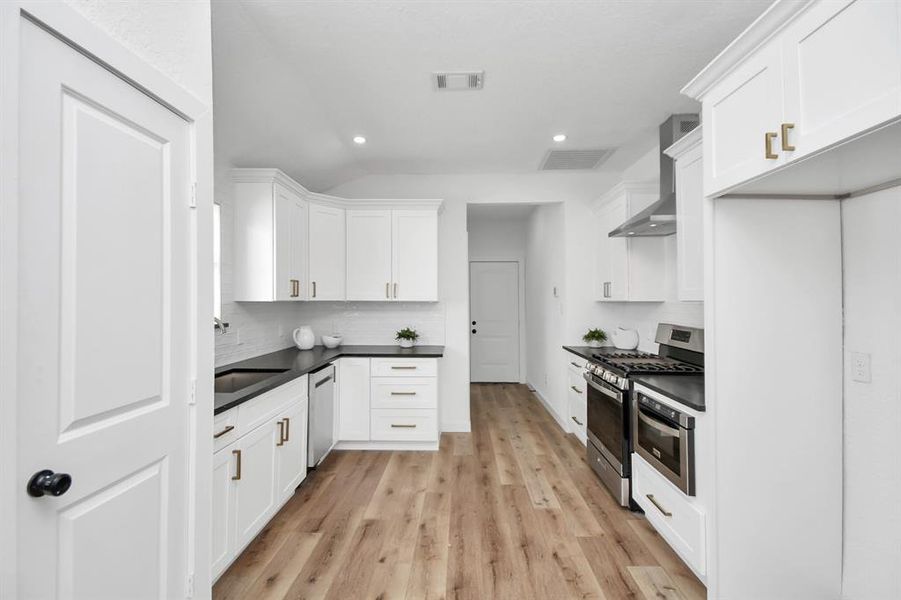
x=473, y=322
x=48, y=483
x=473, y=330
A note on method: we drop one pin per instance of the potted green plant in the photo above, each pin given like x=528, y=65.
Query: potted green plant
x=407, y=337
x=595, y=337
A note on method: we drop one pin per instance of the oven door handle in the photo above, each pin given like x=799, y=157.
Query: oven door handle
x=658, y=424
x=616, y=396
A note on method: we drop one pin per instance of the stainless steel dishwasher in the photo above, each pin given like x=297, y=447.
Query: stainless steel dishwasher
x=322, y=414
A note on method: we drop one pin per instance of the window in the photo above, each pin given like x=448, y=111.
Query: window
x=217, y=263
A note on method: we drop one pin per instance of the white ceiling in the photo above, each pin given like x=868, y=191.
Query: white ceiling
x=295, y=81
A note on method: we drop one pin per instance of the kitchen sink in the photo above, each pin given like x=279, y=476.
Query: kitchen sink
x=233, y=380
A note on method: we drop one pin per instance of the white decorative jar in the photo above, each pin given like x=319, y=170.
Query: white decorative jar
x=625, y=339
x=406, y=343
x=304, y=338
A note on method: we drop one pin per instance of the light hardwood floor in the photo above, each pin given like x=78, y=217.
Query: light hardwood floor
x=511, y=510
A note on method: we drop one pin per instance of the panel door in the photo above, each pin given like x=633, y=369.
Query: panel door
x=255, y=492
x=842, y=73
x=494, y=321
x=223, y=527
x=328, y=259
x=737, y=114
x=353, y=399
x=369, y=255
x=690, y=225
x=291, y=458
x=415, y=266
x=290, y=253
x=105, y=330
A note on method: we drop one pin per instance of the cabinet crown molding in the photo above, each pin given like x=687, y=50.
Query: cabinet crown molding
x=629, y=189
x=271, y=175
x=685, y=143
x=773, y=19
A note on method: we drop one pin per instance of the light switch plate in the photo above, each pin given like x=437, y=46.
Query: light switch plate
x=860, y=367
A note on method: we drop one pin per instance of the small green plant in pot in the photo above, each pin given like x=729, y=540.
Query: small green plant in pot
x=595, y=337
x=407, y=337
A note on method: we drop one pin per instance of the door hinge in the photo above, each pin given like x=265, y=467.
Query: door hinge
x=189, y=586
x=193, y=395
x=193, y=203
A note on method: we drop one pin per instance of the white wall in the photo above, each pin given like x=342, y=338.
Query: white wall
x=499, y=239
x=872, y=424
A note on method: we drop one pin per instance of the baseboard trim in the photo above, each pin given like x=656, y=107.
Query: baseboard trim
x=561, y=422
x=397, y=446
x=456, y=427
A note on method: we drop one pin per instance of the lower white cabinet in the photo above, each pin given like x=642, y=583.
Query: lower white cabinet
x=387, y=402
x=577, y=401
x=254, y=475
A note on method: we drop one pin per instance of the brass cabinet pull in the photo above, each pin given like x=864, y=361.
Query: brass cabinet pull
x=576, y=390
x=665, y=512
x=314, y=289
x=281, y=433
x=237, y=475
x=403, y=368
x=402, y=426
x=578, y=422
x=287, y=429
x=395, y=291
x=297, y=283
x=403, y=393
x=768, y=140
x=223, y=432
x=575, y=364
x=786, y=127
x=388, y=290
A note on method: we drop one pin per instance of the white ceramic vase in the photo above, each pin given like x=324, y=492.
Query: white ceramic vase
x=304, y=338
x=594, y=344
x=625, y=339
x=406, y=343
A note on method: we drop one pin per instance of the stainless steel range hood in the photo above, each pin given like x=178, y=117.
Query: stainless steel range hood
x=659, y=218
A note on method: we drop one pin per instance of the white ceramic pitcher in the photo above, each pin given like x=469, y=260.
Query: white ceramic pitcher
x=304, y=338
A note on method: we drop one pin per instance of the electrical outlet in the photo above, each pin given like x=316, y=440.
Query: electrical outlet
x=860, y=367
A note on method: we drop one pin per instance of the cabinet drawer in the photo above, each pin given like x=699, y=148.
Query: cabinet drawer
x=257, y=411
x=412, y=425
x=575, y=382
x=225, y=429
x=404, y=367
x=679, y=522
x=404, y=392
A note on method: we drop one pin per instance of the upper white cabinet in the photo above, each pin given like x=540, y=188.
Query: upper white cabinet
x=327, y=253
x=392, y=254
x=689, y=169
x=270, y=248
x=291, y=244
x=628, y=269
x=805, y=77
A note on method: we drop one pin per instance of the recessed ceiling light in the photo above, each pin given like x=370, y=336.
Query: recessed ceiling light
x=653, y=224
x=359, y=139
x=560, y=137
x=631, y=233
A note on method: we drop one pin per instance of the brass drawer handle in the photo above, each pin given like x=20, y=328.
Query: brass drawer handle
x=395, y=291
x=768, y=138
x=237, y=475
x=402, y=426
x=403, y=393
x=387, y=290
x=281, y=433
x=575, y=364
x=786, y=127
x=665, y=512
x=404, y=368
x=223, y=432
x=314, y=289
x=575, y=389
x=287, y=429
x=578, y=422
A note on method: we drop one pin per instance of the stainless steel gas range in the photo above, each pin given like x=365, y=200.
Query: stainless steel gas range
x=610, y=403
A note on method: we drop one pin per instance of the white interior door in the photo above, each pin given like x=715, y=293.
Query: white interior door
x=494, y=313
x=105, y=331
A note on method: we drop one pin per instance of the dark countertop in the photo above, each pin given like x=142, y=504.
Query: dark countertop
x=300, y=362
x=685, y=389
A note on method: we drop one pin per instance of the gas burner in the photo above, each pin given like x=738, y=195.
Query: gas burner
x=631, y=364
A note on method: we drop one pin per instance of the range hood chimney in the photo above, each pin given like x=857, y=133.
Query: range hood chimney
x=659, y=218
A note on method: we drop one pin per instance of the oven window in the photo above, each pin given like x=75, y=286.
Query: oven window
x=661, y=439
x=605, y=420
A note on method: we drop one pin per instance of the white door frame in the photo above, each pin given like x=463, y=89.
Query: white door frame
x=521, y=295
x=67, y=24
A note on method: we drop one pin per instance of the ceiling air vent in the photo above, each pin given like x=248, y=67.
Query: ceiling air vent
x=558, y=160
x=468, y=80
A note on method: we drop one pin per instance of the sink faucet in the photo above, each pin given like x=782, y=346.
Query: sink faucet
x=220, y=325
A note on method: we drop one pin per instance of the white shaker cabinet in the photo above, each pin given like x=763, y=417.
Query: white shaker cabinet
x=628, y=269
x=369, y=254
x=291, y=450
x=414, y=235
x=842, y=71
x=327, y=252
x=223, y=522
x=353, y=399
x=256, y=497
x=689, y=169
x=270, y=244
x=577, y=397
